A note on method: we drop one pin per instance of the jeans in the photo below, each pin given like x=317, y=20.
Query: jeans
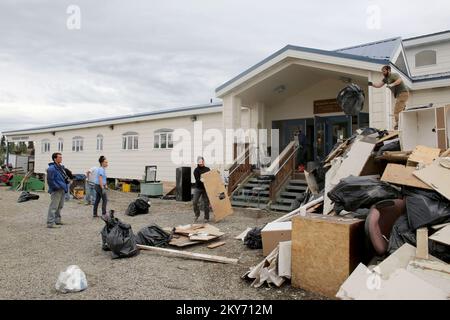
x=199, y=193
x=100, y=194
x=90, y=193
x=400, y=105
x=56, y=204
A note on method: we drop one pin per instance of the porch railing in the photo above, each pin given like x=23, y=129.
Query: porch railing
x=282, y=169
x=239, y=171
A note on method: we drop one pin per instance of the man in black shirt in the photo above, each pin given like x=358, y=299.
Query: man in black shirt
x=199, y=190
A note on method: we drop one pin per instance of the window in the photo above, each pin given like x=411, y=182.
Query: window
x=163, y=139
x=60, y=145
x=130, y=141
x=77, y=144
x=99, y=142
x=45, y=146
x=425, y=58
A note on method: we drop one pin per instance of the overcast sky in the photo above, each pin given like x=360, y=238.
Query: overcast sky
x=143, y=55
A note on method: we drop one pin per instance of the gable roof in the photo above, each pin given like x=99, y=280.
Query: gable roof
x=384, y=49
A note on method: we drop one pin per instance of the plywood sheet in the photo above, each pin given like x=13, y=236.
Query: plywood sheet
x=284, y=259
x=217, y=194
x=401, y=175
x=442, y=236
x=424, y=154
x=325, y=251
x=437, y=177
x=391, y=135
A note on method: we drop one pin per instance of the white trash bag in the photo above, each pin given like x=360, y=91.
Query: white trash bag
x=71, y=280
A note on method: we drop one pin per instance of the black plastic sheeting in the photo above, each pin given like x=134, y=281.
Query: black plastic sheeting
x=253, y=238
x=402, y=233
x=154, y=236
x=26, y=196
x=118, y=237
x=425, y=207
x=353, y=193
x=139, y=206
x=351, y=99
x=393, y=146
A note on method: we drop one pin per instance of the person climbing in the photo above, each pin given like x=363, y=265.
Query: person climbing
x=394, y=82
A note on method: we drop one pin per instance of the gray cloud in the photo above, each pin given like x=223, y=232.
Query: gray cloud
x=135, y=56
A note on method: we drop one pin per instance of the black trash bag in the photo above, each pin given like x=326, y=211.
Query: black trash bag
x=253, y=238
x=139, y=206
x=351, y=99
x=26, y=196
x=154, y=236
x=354, y=193
x=122, y=241
x=402, y=233
x=110, y=222
x=425, y=207
x=393, y=146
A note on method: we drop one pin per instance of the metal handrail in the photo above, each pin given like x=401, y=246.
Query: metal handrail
x=290, y=156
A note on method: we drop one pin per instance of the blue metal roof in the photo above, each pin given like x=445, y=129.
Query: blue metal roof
x=304, y=49
x=137, y=115
x=383, y=49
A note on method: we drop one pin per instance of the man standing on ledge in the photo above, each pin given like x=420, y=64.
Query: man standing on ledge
x=57, y=180
x=199, y=190
x=398, y=87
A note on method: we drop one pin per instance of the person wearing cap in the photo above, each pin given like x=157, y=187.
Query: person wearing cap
x=394, y=82
x=200, y=191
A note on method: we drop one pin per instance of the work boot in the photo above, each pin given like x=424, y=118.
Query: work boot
x=195, y=219
x=60, y=224
x=53, y=226
x=206, y=220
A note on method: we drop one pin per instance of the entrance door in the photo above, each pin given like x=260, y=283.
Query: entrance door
x=328, y=131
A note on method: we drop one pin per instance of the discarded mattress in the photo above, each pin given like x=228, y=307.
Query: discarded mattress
x=26, y=196
x=351, y=99
x=353, y=193
x=153, y=236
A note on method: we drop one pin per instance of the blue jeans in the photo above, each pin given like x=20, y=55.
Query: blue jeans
x=100, y=195
x=67, y=195
x=90, y=193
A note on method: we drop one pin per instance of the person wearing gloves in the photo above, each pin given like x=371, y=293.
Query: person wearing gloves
x=199, y=191
x=57, y=180
x=394, y=82
x=100, y=187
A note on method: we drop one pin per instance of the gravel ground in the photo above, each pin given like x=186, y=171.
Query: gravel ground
x=32, y=256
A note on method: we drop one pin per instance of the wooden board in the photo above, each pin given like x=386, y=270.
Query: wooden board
x=216, y=244
x=182, y=241
x=442, y=236
x=423, y=154
x=436, y=177
x=243, y=234
x=401, y=175
x=422, y=243
x=217, y=194
x=325, y=251
x=190, y=255
x=284, y=259
x=391, y=135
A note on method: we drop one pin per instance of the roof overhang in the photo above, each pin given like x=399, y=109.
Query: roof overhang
x=291, y=53
x=165, y=114
x=427, y=39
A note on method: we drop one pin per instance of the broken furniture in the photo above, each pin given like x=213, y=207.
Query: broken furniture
x=425, y=126
x=191, y=234
x=274, y=233
x=325, y=250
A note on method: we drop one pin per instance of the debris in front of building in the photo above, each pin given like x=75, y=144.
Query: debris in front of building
x=26, y=196
x=71, y=280
x=139, y=206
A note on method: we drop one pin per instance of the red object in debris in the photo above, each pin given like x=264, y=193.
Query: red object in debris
x=6, y=178
x=301, y=168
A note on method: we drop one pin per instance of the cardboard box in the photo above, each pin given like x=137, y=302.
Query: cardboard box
x=273, y=233
x=325, y=251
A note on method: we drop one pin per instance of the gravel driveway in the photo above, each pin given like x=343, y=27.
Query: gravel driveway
x=32, y=256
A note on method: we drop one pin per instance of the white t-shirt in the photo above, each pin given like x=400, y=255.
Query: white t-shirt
x=92, y=174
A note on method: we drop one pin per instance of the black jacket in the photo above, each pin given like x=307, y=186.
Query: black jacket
x=197, y=173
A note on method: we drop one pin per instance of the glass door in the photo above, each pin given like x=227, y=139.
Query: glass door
x=319, y=137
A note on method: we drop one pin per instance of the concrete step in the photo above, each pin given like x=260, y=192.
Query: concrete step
x=299, y=175
x=248, y=204
x=298, y=182
x=256, y=185
x=250, y=192
x=286, y=194
x=251, y=198
x=277, y=207
x=285, y=201
x=295, y=188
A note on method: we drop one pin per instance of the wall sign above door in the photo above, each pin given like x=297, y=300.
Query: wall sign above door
x=326, y=106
